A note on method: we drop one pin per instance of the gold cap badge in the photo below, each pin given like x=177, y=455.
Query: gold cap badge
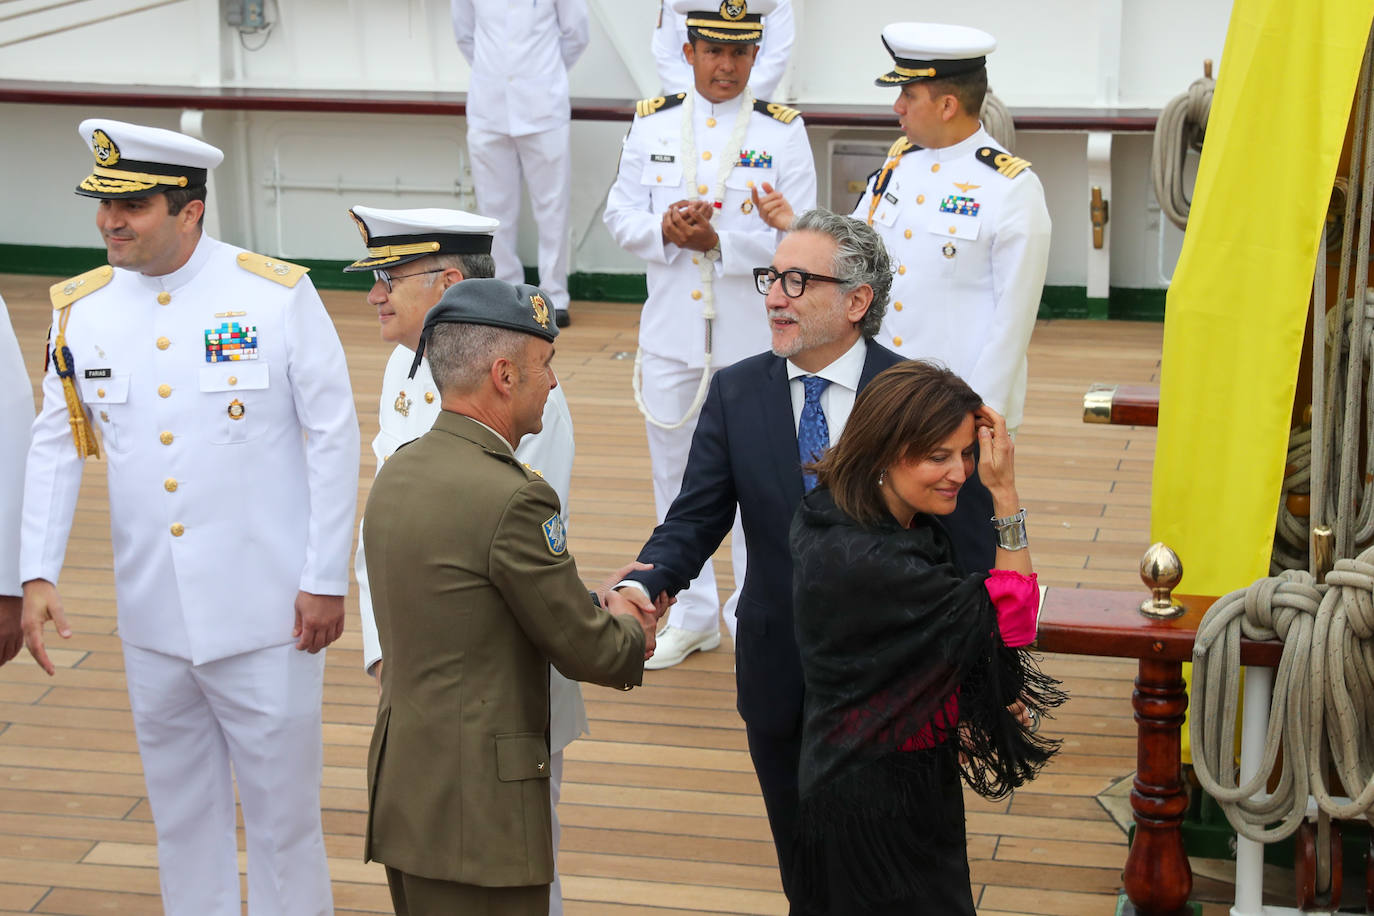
x=541, y=310
x=106, y=153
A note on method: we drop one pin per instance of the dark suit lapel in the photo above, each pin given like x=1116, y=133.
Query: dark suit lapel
x=776, y=404
x=876, y=359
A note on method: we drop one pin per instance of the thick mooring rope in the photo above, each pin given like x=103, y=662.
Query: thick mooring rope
x=1181, y=126
x=1322, y=702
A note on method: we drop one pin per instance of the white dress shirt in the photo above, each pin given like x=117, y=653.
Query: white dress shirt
x=520, y=53
x=837, y=400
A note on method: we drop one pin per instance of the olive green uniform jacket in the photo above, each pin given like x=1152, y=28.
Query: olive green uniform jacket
x=475, y=594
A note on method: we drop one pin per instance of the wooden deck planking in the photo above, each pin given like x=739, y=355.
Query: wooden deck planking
x=661, y=812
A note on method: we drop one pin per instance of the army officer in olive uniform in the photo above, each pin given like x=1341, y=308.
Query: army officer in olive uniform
x=474, y=594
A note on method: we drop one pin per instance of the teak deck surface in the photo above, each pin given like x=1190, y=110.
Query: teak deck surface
x=661, y=812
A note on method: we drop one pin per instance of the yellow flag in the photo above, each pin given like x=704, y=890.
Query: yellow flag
x=1237, y=306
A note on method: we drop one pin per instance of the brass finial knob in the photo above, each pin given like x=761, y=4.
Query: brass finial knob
x=1161, y=570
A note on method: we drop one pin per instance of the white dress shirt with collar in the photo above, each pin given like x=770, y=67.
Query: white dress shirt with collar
x=837, y=400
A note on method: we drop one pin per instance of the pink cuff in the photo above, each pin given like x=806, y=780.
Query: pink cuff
x=1017, y=599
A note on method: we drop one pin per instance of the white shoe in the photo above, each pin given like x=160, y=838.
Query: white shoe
x=674, y=644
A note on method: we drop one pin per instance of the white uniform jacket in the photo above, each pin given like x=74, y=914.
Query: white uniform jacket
x=16, y=416
x=407, y=411
x=651, y=178
x=970, y=247
x=775, y=48
x=233, y=484
x=520, y=54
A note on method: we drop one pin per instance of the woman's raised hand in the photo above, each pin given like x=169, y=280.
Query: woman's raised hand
x=995, y=454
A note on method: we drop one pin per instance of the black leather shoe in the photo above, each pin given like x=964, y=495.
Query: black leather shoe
x=562, y=317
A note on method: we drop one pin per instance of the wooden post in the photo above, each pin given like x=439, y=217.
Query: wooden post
x=1157, y=877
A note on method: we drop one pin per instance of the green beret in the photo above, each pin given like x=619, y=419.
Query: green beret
x=522, y=308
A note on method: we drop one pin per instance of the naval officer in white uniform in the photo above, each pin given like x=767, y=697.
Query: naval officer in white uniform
x=16, y=415
x=415, y=255
x=684, y=201
x=964, y=221
x=216, y=383
x=519, y=116
x=675, y=74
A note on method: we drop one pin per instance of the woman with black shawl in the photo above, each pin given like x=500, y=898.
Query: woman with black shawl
x=915, y=670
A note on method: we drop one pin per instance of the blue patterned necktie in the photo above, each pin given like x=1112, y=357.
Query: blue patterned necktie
x=813, y=435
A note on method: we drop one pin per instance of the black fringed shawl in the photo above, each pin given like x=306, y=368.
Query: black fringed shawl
x=888, y=630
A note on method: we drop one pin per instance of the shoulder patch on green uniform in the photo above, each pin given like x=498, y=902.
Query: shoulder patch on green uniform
x=283, y=272
x=776, y=111
x=1004, y=163
x=646, y=107
x=68, y=291
x=903, y=145
x=555, y=536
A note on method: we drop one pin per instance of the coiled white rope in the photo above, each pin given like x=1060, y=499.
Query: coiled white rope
x=1182, y=126
x=1322, y=702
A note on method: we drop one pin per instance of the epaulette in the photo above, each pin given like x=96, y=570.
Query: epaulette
x=68, y=291
x=646, y=107
x=776, y=111
x=535, y=471
x=283, y=272
x=1005, y=163
x=901, y=147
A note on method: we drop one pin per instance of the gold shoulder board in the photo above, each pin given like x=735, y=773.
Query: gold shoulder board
x=283, y=272
x=1004, y=163
x=646, y=107
x=68, y=291
x=903, y=145
x=777, y=112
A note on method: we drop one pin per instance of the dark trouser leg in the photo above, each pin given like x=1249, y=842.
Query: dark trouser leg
x=412, y=895
x=775, y=764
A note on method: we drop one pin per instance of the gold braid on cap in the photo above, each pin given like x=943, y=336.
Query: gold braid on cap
x=400, y=251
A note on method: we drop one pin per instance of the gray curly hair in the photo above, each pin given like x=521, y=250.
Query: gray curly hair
x=860, y=259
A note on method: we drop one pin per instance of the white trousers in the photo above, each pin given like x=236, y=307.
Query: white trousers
x=258, y=713
x=542, y=162
x=668, y=388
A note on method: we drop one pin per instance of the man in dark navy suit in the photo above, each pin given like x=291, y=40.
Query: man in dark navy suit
x=826, y=293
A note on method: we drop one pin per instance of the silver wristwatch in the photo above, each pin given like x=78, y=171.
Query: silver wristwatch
x=1011, y=531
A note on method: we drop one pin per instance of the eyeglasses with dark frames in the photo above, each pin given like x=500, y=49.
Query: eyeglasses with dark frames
x=388, y=280
x=793, y=281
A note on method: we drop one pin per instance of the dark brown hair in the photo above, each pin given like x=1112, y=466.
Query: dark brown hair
x=178, y=198
x=906, y=412
x=969, y=88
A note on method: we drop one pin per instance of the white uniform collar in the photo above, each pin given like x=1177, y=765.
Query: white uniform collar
x=966, y=147
x=707, y=108
x=843, y=371
x=205, y=249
